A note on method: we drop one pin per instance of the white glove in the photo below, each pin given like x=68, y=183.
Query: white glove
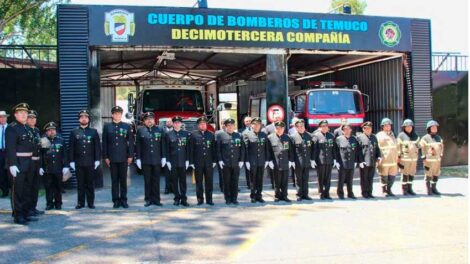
x=247, y=165
x=355, y=165
x=163, y=162
x=240, y=164
x=313, y=164
x=41, y=171
x=266, y=164
x=271, y=165
x=336, y=164
x=221, y=164
x=97, y=164
x=186, y=164
x=72, y=165
x=168, y=164
x=214, y=164
x=192, y=166
x=361, y=165
x=14, y=170
x=291, y=164
x=379, y=160
x=138, y=162
x=65, y=170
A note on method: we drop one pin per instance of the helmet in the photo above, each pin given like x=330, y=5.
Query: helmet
x=386, y=121
x=407, y=122
x=431, y=123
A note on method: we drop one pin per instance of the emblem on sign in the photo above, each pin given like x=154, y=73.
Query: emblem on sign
x=390, y=34
x=276, y=113
x=119, y=24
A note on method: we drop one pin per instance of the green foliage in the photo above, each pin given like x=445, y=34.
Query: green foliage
x=357, y=6
x=28, y=21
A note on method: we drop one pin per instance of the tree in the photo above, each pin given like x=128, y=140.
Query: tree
x=28, y=21
x=357, y=6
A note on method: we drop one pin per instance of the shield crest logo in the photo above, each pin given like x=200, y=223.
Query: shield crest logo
x=119, y=24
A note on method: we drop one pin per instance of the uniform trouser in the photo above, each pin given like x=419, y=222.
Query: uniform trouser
x=280, y=182
x=52, y=184
x=168, y=183
x=4, y=179
x=85, y=184
x=231, y=176
x=21, y=194
x=35, y=186
x=301, y=174
x=221, y=178
x=152, y=182
x=324, y=179
x=256, y=182
x=119, y=181
x=178, y=176
x=367, y=179
x=345, y=176
x=204, y=174
x=247, y=177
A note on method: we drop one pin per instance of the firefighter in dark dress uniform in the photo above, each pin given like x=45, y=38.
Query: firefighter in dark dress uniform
x=37, y=171
x=348, y=155
x=118, y=151
x=281, y=159
x=256, y=157
x=150, y=157
x=371, y=153
x=19, y=151
x=85, y=156
x=324, y=156
x=203, y=160
x=178, y=159
x=54, y=164
x=303, y=149
x=231, y=157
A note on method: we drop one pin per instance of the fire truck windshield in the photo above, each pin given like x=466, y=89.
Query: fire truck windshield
x=172, y=100
x=334, y=102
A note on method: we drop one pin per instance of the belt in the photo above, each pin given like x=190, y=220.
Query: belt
x=24, y=154
x=35, y=158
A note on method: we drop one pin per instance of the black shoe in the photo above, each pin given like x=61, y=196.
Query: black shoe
x=328, y=197
x=287, y=200
x=299, y=199
x=31, y=219
x=116, y=205
x=351, y=196
x=176, y=203
x=158, y=203
x=410, y=190
x=365, y=196
x=32, y=213
x=58, y=207
x=184, y=203
x=227, y=202
x=124, y=205
x=235, y=202
x=147, y=203
x=49, y=207
x=261, y=200
x=404, y=188
x=253, y=200
x=38, y=212
x=210, y=203
x=79, y=206
x=276, y=200
x=308, y=198
x=341, y=197
x=322, y=197
x=371, y=196
x=20, y=221
x=91, y=206
x=200, y=202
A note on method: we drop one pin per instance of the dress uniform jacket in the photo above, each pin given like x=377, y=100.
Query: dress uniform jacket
x=388, y=148
x=118, y=142
x=303, y=149
x=256, y=148
x=85, y=147
x=178, y=147
x=19, y=139
x=348, y=152
x=230, y=148
x=150, y=145
x=281, y=151
x=54, y=156
x=370, y=148
x=37, y=146
x=202, y=148
x=323, y=148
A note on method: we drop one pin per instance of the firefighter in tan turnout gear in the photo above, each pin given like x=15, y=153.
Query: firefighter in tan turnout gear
x=387, y=168
x=432, y=149
x=408, y=153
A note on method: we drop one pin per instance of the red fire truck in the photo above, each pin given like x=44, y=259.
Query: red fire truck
x=167, y=101
x=332, y=101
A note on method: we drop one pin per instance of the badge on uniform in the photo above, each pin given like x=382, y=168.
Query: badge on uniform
x=88, y=139
x=308, y=142
x=236, y=142
x=285, y=145
x=122, y=132
x=208, y=143
x=261, y=141
x=183, y=141
x=157, y=136
x=56, y=147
